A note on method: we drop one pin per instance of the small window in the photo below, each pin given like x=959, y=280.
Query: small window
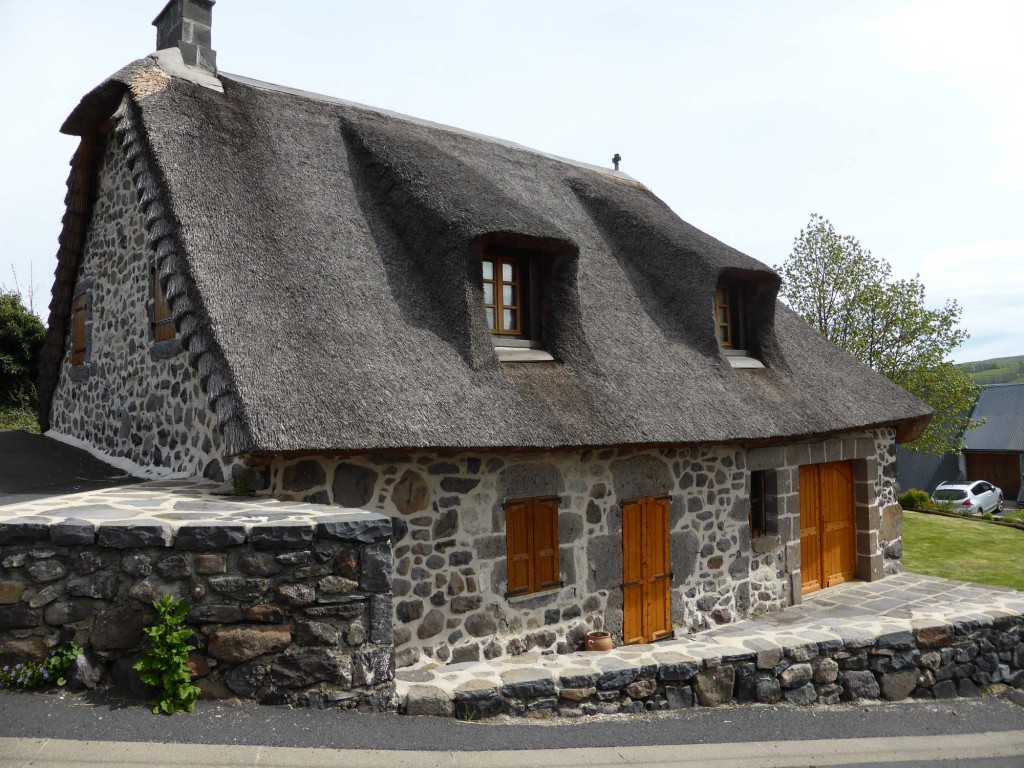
x=730, y=317
x=757, y=505
x=79, y=339
x=723, y=315
x=503, y=295
x=531, y=532
x=163, y=324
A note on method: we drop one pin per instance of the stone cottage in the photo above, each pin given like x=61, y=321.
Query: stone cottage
x=578, y=410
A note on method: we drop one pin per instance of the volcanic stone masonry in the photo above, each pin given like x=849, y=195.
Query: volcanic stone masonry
x=450, y=547
x=133, y=397
x=283, y=613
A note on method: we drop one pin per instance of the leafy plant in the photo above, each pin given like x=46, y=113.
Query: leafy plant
x=987, y=516
x=21, y=340
x=165, y=665
x=35, y=673
x=915, y=499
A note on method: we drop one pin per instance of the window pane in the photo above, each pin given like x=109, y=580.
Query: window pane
x=488, y=270
x=488, y=293
x=490, y=318
x=507, y=271
x=508, y=295
x=723, y=315
x=510, y=318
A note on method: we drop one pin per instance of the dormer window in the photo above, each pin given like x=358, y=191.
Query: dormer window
x=515, y=272
x=725, y=303
x=732, y=324
x=503, y=295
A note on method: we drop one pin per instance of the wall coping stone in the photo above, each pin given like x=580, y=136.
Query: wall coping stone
x=187, y=515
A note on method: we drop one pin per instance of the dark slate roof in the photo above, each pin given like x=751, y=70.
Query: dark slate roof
x=924, y=471
x=1002, y=407
x=320, y=260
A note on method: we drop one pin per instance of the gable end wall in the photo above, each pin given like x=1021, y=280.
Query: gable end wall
x=132, y=399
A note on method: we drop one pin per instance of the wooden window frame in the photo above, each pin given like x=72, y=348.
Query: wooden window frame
x=161, y=318
x=498, y=307
x=531, y=551
x=79, y=329
x=731, y=297
x=723, y=303
x=757, y=514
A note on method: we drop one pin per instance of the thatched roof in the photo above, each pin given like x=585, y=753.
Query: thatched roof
x=321, y=262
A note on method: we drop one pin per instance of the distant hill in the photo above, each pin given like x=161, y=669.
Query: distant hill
x=998, y=370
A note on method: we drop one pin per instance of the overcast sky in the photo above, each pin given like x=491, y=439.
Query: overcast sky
x=901, y=122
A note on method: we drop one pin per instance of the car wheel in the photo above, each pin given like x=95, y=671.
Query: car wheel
x=999, y=505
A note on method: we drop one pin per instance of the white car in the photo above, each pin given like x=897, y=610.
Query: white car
x=976, y=495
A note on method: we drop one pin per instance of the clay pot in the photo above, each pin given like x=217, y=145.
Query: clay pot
x=598, y=641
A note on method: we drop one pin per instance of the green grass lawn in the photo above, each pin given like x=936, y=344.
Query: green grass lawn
x=963, y=550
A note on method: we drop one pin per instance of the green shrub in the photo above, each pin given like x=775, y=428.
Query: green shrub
x=987, y=516
x=21, y=341
x=35, y=673
x=915, y=499
x=165, y=665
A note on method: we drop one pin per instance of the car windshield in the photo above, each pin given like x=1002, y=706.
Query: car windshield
x=949, y=494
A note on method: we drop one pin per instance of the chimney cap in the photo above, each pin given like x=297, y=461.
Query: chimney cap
x=208, y=3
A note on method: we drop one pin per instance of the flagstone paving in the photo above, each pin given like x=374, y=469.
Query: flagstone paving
x=171, y=502
x=854, y=615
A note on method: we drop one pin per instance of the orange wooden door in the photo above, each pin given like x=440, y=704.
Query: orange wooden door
x=827, y=528
x=838, y=540
x=810, y=528
x=646, y=571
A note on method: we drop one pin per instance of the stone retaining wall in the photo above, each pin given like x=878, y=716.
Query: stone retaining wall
x=935, y=660
x=295, y=613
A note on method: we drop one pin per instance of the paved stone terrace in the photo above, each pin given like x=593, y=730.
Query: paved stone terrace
x=172, y=503
x=892, y=613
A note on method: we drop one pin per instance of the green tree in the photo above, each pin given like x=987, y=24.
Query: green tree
x=21, y=340
x=851, y=297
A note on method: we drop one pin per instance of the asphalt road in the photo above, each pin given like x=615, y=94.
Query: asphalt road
x=34, y=467
x=77, y=717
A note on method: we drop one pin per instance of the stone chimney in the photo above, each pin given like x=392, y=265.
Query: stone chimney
x=186, y=24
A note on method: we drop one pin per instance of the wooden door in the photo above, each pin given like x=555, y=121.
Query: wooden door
x=828, y=550
x=1000, y=469
x=646, y=571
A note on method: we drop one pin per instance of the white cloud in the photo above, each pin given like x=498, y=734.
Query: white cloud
x=977, y=47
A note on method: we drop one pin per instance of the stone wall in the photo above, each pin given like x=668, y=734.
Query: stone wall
x=450, y=548
x=934, y=660
x=133, y=398
x=288, y=613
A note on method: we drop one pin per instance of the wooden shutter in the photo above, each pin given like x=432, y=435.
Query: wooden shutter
x=531, y=533
x=545, y=543
x=78, y=343
x=519, y=542
x=632, y=572
x=163, y=325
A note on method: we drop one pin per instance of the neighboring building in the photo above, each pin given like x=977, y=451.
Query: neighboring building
x=993, y=451
x=578, y=410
